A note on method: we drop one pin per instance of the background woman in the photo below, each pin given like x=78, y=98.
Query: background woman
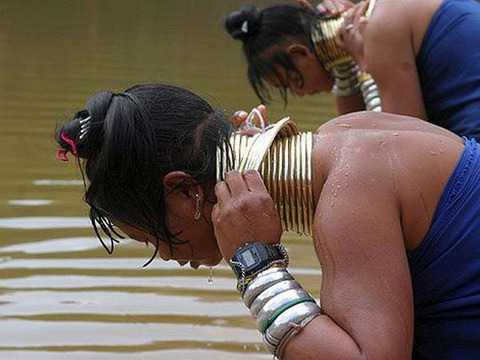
x=395, y=226
x=423, y=56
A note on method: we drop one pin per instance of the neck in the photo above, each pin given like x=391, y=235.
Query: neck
x=287, y=173
x=283, y=156
x=323, y=37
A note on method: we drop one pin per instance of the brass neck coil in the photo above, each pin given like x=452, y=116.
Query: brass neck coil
x=323, y=34
x=283, y=156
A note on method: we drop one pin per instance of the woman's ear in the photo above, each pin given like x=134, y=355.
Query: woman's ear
x=176, y=181
x=182, y=183
x=298, y=49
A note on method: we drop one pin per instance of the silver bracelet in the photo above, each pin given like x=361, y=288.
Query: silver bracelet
x=262, y=281
x=370, y=92
x=294, y=315
x=294, y=331
x=280, y=305
x=346, y=79
x=290, y=297
x=271, y=292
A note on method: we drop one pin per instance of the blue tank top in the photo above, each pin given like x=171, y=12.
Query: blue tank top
x=445, y=269
x=448, y=65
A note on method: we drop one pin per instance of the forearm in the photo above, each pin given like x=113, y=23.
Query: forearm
x=289, y=319
x=347, y=91
x=348, y=104
x=322, y=339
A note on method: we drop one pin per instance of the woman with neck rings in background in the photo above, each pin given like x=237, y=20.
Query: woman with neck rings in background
x=391, y=202
x=424, y=56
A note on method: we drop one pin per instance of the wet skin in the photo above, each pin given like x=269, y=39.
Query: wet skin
x=356, y=141
x=377, y=179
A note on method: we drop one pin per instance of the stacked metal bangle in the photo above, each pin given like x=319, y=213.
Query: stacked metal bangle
x=280, y=305
x=346, y=79
x=370, y=92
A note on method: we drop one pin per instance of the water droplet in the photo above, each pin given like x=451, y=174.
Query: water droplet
x=338, y=186
x=346, y=126
x=210, y=276
x=441, y=151
x=433, y=153
x=395, y=134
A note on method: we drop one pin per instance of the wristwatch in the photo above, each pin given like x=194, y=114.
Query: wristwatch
x=253, y=258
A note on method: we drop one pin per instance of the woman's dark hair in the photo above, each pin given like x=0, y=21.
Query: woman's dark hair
x=134, y=139
x=259, y=30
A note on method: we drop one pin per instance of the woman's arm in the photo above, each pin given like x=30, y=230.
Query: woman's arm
x=348, y=104
x=390, y=57
x=366, y=292
x=383, y=46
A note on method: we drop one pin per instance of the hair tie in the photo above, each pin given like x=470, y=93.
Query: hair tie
x=62, y=153
x=244, y=27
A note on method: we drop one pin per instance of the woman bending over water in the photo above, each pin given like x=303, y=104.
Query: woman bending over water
x=424, y=55
x=394, y=218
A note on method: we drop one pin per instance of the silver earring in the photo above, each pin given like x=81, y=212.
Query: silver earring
x=198, y=209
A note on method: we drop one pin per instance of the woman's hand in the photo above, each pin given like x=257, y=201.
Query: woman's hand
x=244, y=213
x=350, y=35
x=332, y=7
x=239, y=121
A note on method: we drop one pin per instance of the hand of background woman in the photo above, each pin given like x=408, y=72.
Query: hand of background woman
x=350, y=35
x=244, y=213
x=332, y=7
x=239, y=119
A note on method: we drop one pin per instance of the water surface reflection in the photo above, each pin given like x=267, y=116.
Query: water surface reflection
x=61, y=296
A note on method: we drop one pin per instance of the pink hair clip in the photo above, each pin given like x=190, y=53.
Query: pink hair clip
x=62, y=153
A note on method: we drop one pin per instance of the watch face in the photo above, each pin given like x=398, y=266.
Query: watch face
x=248, y=258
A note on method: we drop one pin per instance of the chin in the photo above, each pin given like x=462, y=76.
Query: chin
x=213, y=262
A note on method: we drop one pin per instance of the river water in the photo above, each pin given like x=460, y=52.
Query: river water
x=61, y=296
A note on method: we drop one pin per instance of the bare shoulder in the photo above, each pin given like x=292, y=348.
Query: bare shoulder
x=388, y=15
x=390, y=158
x=366, y=129
x=399, y=21
x=380, y=121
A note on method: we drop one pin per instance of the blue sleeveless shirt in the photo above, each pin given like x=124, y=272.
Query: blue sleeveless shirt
x=445, y=269
x=448, y=66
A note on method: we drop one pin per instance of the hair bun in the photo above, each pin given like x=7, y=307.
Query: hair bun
x=243, y=23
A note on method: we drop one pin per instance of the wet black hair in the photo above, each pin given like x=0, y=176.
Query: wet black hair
x=260, y=29
x=135, y=138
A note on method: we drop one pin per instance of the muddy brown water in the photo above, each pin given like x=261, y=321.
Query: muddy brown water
x=61, y=296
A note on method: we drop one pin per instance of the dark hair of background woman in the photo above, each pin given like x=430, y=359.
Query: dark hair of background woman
x=136, y=138
x=259, y=30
